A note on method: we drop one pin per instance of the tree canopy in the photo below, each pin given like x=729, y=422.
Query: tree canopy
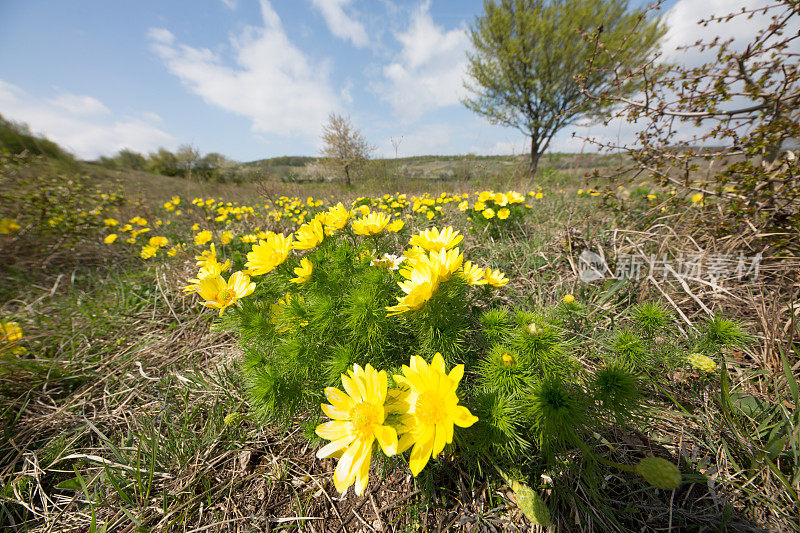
x=530, y=68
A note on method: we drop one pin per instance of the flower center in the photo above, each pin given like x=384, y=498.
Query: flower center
x=364, y=417
x=226, y=295
x=430, y=408
x=508, y=359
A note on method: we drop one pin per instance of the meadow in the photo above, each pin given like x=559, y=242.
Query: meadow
x=136, y=395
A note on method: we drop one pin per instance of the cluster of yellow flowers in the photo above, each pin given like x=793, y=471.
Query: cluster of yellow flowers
x=137, y=226
x=492, y=204
x=432, y=259
x=8, y=226
x=426, y=408
x=10, y=335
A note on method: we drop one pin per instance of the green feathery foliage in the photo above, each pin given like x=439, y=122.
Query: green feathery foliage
x=630, y=349
x=651, y=318
x=557, y=412
x=717, y=333
x=616, y=391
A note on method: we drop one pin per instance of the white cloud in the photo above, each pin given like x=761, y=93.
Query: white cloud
x=230, y=4
x=272, y=83
x=80, y=123
x=684, y=30
x=340, y=23
x=79, y=104
x=428, y=71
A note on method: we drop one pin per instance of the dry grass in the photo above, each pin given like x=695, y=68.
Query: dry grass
x=128, y=409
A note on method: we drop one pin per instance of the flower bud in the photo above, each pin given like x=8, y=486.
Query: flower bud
x=660, y=473
x=531, y=504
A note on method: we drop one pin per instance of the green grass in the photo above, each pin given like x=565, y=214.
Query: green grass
x=128, y=413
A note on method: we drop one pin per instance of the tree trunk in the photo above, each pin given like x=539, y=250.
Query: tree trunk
x=535, y=155
x=347, y=174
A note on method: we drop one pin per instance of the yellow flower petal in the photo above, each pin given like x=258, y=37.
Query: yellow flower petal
x=387, y=438
x=334, y=446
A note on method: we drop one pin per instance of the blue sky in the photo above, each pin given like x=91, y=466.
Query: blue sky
x=256, y=78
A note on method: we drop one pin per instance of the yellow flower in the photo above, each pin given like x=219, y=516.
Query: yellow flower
x=444, y=262
x=158, y=242
x=473, y=274
x=207, y=256
x=226, y=237
x=110, y=222
x=503, y=213
x=357, y=420
x=479, y=206
x=336, y=218
x=172, y=252
x=697, y=198
x=309, y=235
x=429, y=409
x=148, y=251
x=268, y=254
x=395, y=226
x=203, y=237
x=10, y=332
x=110, y=238
x=488, y=213
x=500, y=199
x=413, y=254
x=463, y=206
x=538, y=196
x=370, y=224
x=219, y=294
x=568, y=299
x=421, y=283
x=434, y=240
x=10, y=335
x=303, y=272
x=8, y=225
x=210, y=268
x=495, y=278
x=514, y=197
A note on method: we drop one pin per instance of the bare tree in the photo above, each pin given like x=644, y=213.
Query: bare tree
x=346, y=149
x=738, y=112
x=187, y=155
x=396, y=144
